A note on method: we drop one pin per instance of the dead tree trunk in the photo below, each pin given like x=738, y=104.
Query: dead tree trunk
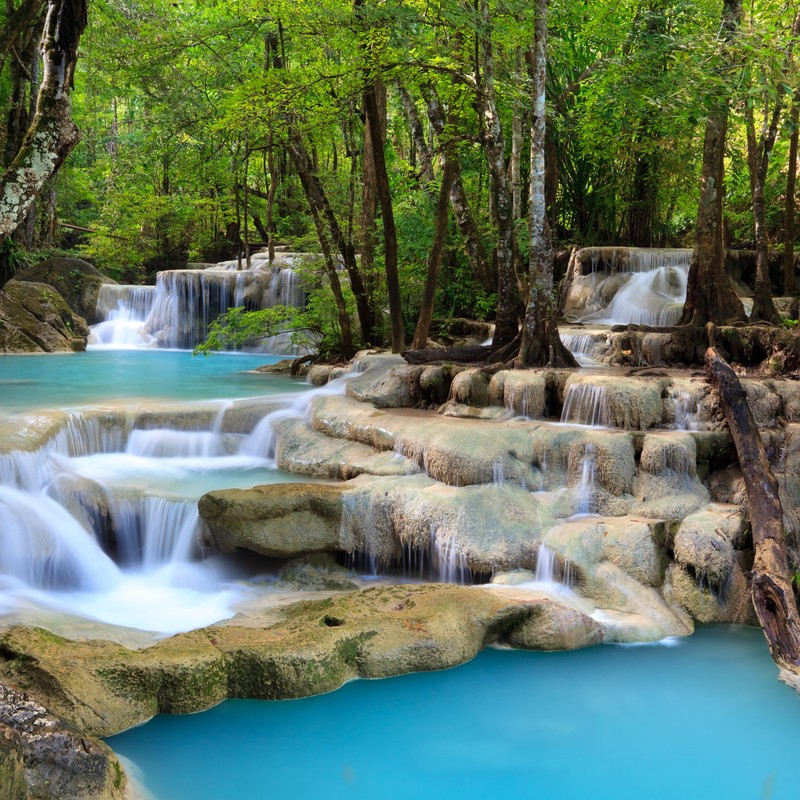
x=52, y=133
x=770, y=583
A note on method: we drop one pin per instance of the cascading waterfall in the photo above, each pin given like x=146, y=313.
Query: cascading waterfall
x=100, y=488
x=652, y=289
x=123, y=311
x=587, y=348
x=686, y=412
x=177, y=312
x=448, y=558
x=586, y=404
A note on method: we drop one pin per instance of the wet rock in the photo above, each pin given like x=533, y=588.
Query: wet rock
x=727, y=603
x=470, y=387
x=41, y=758
x=520, y=391
x=554, y=626
x=303, y=451
x=314, y=647
x=34, y=317
x=318, y=572
x=279, y=520
x=765, y=403
x=632, y=404
x=703, y=549
x=77, y=281
x=388, y=382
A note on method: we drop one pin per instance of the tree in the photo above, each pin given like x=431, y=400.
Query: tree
x=759, y=151
x=710, y=296
x=541, y=343
x=52, y=133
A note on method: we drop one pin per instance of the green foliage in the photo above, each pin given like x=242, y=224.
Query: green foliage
x=238, y=328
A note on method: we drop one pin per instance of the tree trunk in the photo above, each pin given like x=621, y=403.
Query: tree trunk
x=789, y=206
x=506, y=321
x=541, y=343
x=316, y=197
x=770, y=581
x=758, y=155
x=342, y=316
x=52, y=133
x=467, y=227
x=709, y=296
x=435, y=257
x=369, y=212
x=417, y=134
x=387, y=219
x=514, y=167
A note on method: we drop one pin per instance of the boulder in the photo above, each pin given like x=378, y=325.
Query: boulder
x=77, y=281
x=280, y=520
x=35, y=318
x=40, y=757
x=555, y=626
x=387, y=382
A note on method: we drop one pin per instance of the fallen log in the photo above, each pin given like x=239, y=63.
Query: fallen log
x=770, y=582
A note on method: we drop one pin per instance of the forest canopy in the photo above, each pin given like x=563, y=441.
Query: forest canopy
x=378, y=133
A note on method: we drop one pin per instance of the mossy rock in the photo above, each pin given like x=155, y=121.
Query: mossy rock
x=77, y=281
x=35, y=318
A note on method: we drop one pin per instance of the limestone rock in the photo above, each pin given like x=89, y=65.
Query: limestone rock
x=319, y=572
x=314, y=647
x=77, y=281
x=729, y=603
x=35, y=318
x=388, y=382
x=41, y=758
x=522, y=392
x=632, y=404
x=279, y=520
x=554, y=626
x=703, y=549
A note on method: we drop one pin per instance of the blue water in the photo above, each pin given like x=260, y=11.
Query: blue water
x=75, y=379
x=704, y=719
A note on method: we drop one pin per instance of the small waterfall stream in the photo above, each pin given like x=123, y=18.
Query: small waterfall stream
x=648, y=287
x=177, y=311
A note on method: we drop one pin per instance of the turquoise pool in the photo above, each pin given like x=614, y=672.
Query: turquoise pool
x=702, y=719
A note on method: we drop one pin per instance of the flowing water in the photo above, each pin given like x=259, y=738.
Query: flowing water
x=177, y=311
x=100, y=519
x=662, y=723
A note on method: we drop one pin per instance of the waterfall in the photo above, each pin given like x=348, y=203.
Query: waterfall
x=584, y=347
x=584, y=492
x=586, y=404
x=686, y=412
x=150, y=531
x=545, y=564
x=45, y=547
x=122, y=311
x=498, y=475
x=261, y=442
x=651, y=289
x=448, y=558
x=177, y=312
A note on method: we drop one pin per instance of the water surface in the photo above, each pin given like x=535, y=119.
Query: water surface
x=76, y=379
x=703, y=719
